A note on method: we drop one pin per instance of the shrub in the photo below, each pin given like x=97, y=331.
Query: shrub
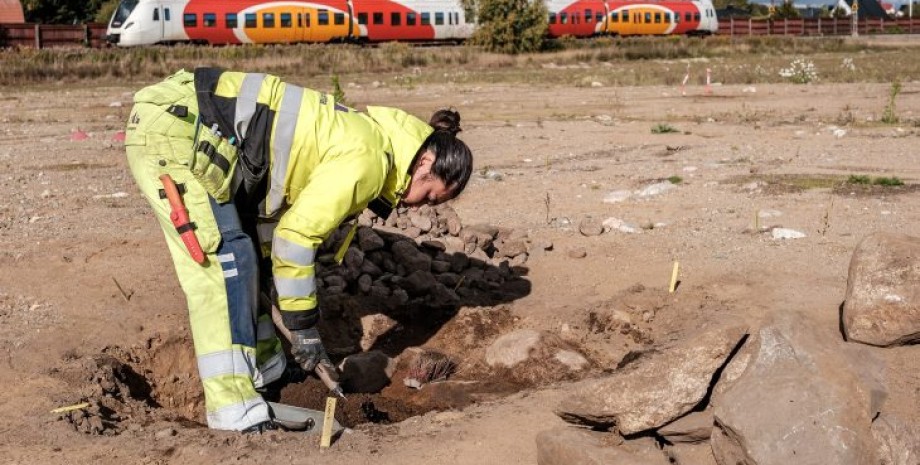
x=511, y=26
x=859, y=179
x=663, y=128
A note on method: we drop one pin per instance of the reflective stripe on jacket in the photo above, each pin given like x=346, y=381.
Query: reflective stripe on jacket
x=322, y=162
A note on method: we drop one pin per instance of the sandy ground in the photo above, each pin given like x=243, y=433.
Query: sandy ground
x=68, y=243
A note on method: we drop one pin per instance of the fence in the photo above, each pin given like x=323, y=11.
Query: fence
x=52, y=35
x=815, y=27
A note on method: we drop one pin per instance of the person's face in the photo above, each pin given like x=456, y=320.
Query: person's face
x=425, y=187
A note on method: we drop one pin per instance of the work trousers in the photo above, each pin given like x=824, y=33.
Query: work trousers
x=236, y=348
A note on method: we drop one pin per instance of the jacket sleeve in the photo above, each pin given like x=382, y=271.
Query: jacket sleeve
x=335, y=189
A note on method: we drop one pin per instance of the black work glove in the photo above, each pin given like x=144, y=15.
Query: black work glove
x=307, y=348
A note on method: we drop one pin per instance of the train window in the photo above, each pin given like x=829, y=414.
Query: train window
x=450, y=18
x=696, y=16
x=378, y=18
x=395, y=19
x=563, y=18
x=575, y=18
x=676, y=18
x=588, y=16
x=657, y=18
x=209, y=20
x=688, y=17
x=625, y=16
x=156, y=14
x=439, y=18
x=426, y=19
x=362, y=18
x=552, y=18
x=598, y=16
x=165, y=14
x=249, y=21
x=322, y=17
x=614, y=17
x=306, y=19
x=648, y=17
x=190, y=20
x=299, y=19
x=338, y=18
x=231, y=20
x=268, y=20
x=285, y=20
x=410, y=19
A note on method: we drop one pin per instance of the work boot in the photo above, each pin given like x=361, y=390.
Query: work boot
x=259, y=428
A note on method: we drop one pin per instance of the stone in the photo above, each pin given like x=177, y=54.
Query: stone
x=165, y=433
x=540, y=245
x=683, y=453
x=454, y=226
x=354, y=258
x=617, y=196
x=407, y=254
x=577, y=252
x=436, y=246
x=655, y=190
x=364, y=283
x=453, y=244
x=371, y=269
x=882, y=304
x=418, y=283
x=590, y=227
x=459, y=262
x=897, y=442
x=785, y=233
x=692, y=427
x=366, y=372
x=369, y=240
x=570, y=446
x=372, y=327
x=616, y=224
x=420, y=221
x=439, y=267
x=573, y=360
x=511, y=248
x=512, y=348
x=661, y=386
x=413, y=232
x=804, y=389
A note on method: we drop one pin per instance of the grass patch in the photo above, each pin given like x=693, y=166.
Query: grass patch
x=864, y=180
x=675, y=179
x=663, y=128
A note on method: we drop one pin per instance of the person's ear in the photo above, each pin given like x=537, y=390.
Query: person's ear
x=424, y=164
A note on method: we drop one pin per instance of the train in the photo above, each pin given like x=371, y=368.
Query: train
x=226, y=22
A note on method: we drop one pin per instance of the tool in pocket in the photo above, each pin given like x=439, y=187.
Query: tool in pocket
x=180, y=219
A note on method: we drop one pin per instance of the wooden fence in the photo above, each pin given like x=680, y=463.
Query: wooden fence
x=815, y=27
x=52, y=35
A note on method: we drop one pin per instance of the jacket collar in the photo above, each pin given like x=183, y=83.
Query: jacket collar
x=404, y=134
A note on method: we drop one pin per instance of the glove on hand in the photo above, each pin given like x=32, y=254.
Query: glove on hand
x=307, y=348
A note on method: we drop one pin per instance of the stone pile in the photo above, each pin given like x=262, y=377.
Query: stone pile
x=423, y=256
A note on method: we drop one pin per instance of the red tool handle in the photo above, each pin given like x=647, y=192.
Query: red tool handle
x=180, y=219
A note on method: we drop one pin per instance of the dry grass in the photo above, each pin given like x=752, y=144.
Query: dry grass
x=614, y=62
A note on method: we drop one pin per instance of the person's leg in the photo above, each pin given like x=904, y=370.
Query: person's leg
x=220, y=293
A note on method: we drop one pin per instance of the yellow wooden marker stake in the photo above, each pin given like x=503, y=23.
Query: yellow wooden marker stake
x=674, y=273
x=328, y=419
x=71, y=408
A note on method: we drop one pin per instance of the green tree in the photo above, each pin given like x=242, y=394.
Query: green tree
x=106, y=10
x=61, y=11
x=511, y=26
x=787, y=11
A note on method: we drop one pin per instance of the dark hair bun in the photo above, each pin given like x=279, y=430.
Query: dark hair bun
x=446, y=120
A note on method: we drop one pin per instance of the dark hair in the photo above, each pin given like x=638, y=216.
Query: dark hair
x=453, y=160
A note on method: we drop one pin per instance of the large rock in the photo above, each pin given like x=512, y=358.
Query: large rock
x=570, y=446
x=882, y=305
x=693, y=427
x=657, y=389
x=898, y=442
x=804, y=397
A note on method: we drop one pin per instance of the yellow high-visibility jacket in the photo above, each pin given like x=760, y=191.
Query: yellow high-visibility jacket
x=322, y=162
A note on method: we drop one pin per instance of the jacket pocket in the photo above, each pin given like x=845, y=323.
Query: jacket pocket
x=213, y=161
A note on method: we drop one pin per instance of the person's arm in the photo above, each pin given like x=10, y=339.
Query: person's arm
x=336, y=188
